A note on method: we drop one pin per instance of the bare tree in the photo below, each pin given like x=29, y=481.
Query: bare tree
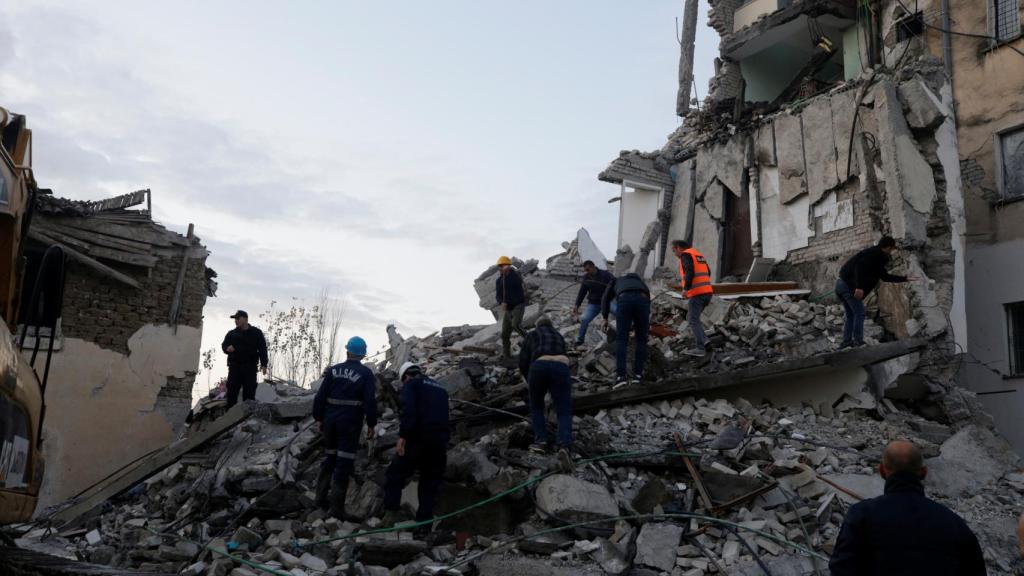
x=302, y=341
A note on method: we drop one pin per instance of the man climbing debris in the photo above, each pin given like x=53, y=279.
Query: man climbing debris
x=512, y=297
x=695, y=275
x=633, y=300
x=857, y=278
x=247, y=353
x=903, y=531
x=593, y=286
x=542, y=361
x=345, y=398
x=422, y=443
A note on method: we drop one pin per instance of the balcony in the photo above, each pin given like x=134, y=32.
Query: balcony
x=751, y=10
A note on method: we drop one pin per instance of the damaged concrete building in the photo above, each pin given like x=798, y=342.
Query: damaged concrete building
x=126, y=349
x=829, y=124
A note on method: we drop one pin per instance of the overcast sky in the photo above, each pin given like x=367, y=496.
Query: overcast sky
x=391, y=150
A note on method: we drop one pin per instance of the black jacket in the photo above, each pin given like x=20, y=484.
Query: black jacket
x=424, y=410
x=592, y=288
x=509, y=289
x=903, y=533
x=631, y=282
x=250, y=347
x=544, y=341
x=866, y=268
x=347, y=393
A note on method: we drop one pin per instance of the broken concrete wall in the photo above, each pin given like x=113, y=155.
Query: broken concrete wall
x=120, y=385
x=681, y=213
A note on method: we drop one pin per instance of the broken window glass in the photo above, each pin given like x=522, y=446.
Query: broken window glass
x=1005, y=19
x=1015, y=334
x=1011, y=154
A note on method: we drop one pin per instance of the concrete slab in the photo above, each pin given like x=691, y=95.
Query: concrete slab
x=923, y=108
x=705, y=169
x=764, y=145
x=707, y=234
x=588, y=250
x=714, y=200
x=789, y=146
x=786, y=226
x=681, y=220
x=973, y=458
x=843, y=108
x=866, y=485
x=727, y=162
x=819, y=148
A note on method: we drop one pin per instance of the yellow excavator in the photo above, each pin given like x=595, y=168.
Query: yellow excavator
x=36, y=311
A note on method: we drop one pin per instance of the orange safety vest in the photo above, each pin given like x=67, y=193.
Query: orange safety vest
x=701, y=274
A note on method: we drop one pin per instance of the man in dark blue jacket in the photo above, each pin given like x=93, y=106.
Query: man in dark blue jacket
x=542, y=361
x=247, y=352
x=422, y=443
x=857, y=278
x=512, y=297
x=633, y=297
x=903, y=532
x=595, y=282
x=346, y=397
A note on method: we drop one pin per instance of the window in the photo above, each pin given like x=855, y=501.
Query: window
x=1015, y=335
x=1010, y=163
x=1005, y=19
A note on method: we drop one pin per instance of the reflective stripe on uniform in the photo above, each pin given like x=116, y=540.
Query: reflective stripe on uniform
x=348, y=455
x=339, y=402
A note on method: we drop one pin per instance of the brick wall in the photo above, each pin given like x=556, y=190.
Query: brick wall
x=841, y=243
x=107, y=313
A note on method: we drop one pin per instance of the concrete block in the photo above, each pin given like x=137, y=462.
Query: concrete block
x=764, y=145
x=923, y=108
x=656, y=545
x=714, y=200
x=575, y=500
x=789, y=146
x=972, y=458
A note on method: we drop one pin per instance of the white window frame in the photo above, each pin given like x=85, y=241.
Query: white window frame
x=997, y=153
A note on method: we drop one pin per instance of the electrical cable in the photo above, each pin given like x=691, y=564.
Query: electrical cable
x=753, y=552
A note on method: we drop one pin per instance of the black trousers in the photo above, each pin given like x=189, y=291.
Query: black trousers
x=241, y=378
x=428, y=456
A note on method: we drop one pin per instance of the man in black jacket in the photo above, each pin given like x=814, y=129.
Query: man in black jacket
x=512, y=297
x=903, y=531
x=247, y=351
x=542, y=361
x=595, y=282
x=633, y=298
x=857, y=278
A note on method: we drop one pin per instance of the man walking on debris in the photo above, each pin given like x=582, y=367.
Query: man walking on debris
x=594, y=284
x=247, y=352
x=633, y=298
x=346, y=397
x=695, y=276
x=857, y=278
x=512, y=298
x=903, y=531
x=422, y=443
x=542, y=361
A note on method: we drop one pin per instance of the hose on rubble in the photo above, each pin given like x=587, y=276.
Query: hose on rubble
x=220, y=552
x=679, y=515
x=529, y=482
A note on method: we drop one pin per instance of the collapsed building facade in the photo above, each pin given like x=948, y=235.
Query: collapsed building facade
x=128, y=341
x=829, y=124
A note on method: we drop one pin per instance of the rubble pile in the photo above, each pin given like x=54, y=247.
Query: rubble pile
x=683, y=487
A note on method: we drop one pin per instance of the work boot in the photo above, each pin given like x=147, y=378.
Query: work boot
x=696, y=352
x=339, y=488
x=323, y=489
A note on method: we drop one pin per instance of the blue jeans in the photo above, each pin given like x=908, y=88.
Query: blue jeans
x=697, y=305
x=853, y=328
x=634, y=313
x=589, y=313
x=551, y=376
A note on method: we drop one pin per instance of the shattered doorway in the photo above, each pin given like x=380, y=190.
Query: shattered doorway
x=738, y=251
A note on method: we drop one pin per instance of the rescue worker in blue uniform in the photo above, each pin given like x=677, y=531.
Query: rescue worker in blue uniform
x=422, y=443
x=345, y=398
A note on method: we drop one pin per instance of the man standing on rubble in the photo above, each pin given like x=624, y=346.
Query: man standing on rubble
x=903, y=531
x=633, y=298
x=857, y=278
x=422, y=443
x=594, y=284
x=695, y=276
x=512, y=297
x=247, y=352
x=346, y=397
x=542, y=361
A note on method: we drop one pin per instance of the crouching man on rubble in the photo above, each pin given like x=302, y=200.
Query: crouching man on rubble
x=903, y=531
x=345, y=398
x=422, y=444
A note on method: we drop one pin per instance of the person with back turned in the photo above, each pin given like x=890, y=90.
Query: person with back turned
x=247, y=353
x=857, y=278
x=695, y=276
x=903, y=532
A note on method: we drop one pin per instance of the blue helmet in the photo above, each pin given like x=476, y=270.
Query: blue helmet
x=356, y=346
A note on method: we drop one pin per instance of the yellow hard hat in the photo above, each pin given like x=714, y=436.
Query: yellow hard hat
x=504, y=261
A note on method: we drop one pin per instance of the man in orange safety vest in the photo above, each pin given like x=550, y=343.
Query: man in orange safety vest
x=695, y=275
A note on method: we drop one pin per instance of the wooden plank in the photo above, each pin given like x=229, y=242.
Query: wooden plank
x=138, y=229
x=130, y=258
x=119, y=202
x=132, y=475
x=83, y=259
x=89, y=233
x=180, y=285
